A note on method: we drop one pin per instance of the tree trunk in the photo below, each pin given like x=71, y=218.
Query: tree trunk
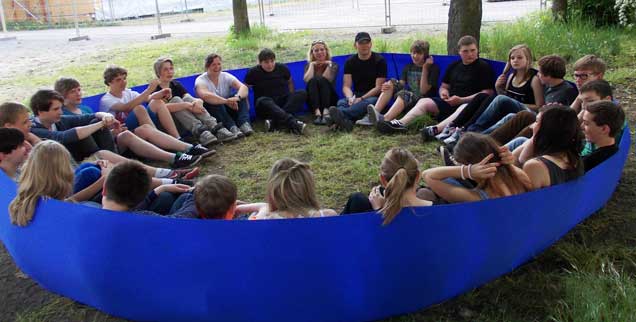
x=559, y=9
x=241, y=20
x=464, y=18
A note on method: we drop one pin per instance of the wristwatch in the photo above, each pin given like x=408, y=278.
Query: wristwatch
x=238, y=95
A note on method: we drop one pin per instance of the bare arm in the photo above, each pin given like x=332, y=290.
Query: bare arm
x=240, y=88
x=143, y=97
x=88, y=192
x=209, y=97
x=309, y=74
x=346, y=86
x=537, y=90
x=375, y=91
x=290, y=84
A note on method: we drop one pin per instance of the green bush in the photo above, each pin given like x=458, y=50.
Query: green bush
x=601, y=12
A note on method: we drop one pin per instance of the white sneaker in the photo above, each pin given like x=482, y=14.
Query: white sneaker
x=373, y=115
x=364, y=121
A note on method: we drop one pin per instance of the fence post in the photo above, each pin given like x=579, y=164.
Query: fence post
x=160, y=34
x=388, y=28
x=77, y=31
x=5, y=35
x=187, y=19
x=261, y=12
x=112, y=11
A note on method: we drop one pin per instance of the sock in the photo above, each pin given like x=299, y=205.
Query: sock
x=162, y=173
x=166, y=181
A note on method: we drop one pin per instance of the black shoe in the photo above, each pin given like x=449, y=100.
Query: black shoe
x=340, y=119
x=299, y=128
x=390, y=127
x=429, y=133
x=447, y=157
x=185, y=160
x=318, y=120
x=201, y=150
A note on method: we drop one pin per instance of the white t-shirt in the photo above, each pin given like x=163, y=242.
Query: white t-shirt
x=225, y=84
x=108, y=101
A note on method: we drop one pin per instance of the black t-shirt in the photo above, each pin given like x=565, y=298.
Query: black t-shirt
x=177, y=89
x=273, y=84
x=466, y=80
x=364, y=72
x=599, y=155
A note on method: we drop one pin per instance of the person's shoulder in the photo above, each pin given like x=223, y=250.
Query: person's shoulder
x=377, y=56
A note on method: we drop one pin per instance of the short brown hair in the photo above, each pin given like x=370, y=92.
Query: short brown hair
x=127, y=184
x=157, y=65
x=420, y=47
x=552, y=65
x=591, y=62
x=112, y=72
x=65, y=84
x=214, y=195
x=210, y=58
x=599, y=86
x=467, y=41
x=41, y=100
x=607, y=113
x=9, y=112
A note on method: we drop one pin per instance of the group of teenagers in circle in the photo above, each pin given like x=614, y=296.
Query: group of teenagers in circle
x=524, y=130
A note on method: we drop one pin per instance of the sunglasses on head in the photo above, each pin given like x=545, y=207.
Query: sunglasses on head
x=317, y=42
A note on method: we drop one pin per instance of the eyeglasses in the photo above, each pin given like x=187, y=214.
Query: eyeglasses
x=582, y=76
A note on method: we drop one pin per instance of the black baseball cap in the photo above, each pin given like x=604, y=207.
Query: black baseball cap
x=363, y=36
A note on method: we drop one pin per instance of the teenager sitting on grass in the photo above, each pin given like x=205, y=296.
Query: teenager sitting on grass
x=215, y=87
x=275, y=99
x=602, y=123
x=213, y=197
x=16, y=116
x=128, y=188
x=462, y=82
x=14, y=150
x=480, y=159
x=522, y=85
x=551, y=156
x=74, y=131
x=47, y=173
x=320, y=76
x=71, y=90
x=291, y=193
x=188, y=111
x=364, y=74
x=556, y=91
x=399, y=179
x=418, y=80
x=588, y=68
x=518, y=129
x=126, y=104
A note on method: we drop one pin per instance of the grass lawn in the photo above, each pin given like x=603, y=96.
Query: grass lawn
x=589, y=275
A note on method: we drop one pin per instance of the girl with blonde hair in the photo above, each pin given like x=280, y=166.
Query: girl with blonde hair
x=320, y=76
x=47, y=173
x=399, y=178
x=291, y=193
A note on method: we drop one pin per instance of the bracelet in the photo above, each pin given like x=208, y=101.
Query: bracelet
x=461, y=171
x=469, y=174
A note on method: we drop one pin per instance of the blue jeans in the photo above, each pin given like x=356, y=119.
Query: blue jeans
x=228, y=116
x=516, y=142
x=501, y=106
x=498, y=124
x=357, y=110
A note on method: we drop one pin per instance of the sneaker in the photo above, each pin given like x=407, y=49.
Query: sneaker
x=373, y=115
x=429, y=133
x=448, y=131
x=327, y=120
x=390, y=127
x=340, y=119
x=184, y=160
x=207, y=138
x=365, y=121
x=318, y=120
x=269, y=125
x=235, y=130
x=187, y=174
x=246, y=129
x=201, y=150
x=453, y=138
x=224, y=135
x=300, y=128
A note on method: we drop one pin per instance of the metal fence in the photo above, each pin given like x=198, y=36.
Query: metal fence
x=192, y=16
